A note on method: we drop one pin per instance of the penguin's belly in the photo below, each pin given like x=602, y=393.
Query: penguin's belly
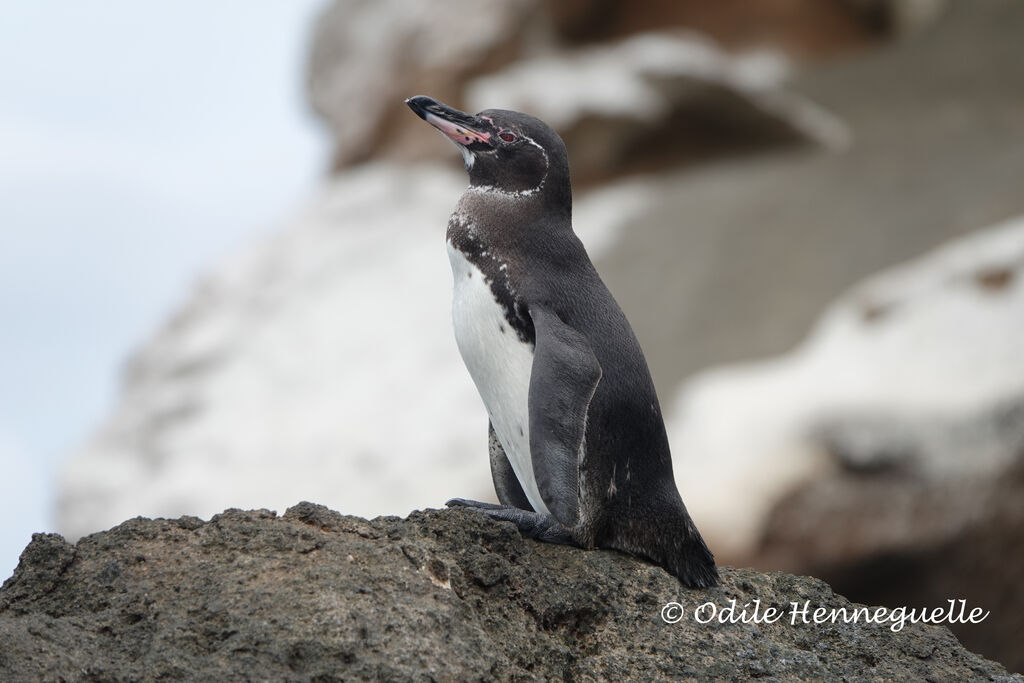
x=500, y=365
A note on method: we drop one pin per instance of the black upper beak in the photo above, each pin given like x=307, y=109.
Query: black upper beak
x=462, y=128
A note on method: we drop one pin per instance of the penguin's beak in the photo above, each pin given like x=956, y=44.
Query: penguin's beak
x=461, y=128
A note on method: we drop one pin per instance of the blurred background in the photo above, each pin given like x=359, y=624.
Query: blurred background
x=223, y=279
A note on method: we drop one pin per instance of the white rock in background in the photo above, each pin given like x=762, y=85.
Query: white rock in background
x=937, y=340
x=647, y=76
x=369, y=55
x=320, y=365
x=287, y=374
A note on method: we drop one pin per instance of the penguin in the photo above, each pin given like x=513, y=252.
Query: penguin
x=577, y=443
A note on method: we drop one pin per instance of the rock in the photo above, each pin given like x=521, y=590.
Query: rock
x=806, y=29
x=658, y=99
x=898, y=17
x=315, y=595
x=735, y=260
x=916, y=370
x=367, y=57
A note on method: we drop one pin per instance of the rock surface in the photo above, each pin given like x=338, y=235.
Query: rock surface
x=314, y=595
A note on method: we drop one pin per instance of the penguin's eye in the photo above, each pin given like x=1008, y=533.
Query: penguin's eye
x=508, y=136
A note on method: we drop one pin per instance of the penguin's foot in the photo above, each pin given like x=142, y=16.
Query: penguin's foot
x=531, y=524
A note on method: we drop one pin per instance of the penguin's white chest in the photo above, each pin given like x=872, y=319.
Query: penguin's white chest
x=500, y=365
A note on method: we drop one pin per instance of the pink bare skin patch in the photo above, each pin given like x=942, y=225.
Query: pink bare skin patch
x=459, y=134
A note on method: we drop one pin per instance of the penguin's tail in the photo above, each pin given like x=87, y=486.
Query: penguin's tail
x=688, y=558
x=666, y=535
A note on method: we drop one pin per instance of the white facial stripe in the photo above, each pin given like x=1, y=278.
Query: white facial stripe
x=547, y=162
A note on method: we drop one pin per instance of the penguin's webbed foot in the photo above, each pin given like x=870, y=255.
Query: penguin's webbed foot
x=531, y=524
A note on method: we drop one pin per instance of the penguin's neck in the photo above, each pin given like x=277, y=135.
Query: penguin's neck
x=505, y=221
x=548, y=203
x=552, y=194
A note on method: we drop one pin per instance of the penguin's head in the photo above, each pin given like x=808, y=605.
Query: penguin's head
x=506, y=151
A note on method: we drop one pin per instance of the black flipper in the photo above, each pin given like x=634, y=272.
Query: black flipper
x=506, y=484
x=564, y=378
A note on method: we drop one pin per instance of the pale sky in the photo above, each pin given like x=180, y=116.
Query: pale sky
x=139, y=142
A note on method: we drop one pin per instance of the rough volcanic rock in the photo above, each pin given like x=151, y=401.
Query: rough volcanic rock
x=314, y=595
